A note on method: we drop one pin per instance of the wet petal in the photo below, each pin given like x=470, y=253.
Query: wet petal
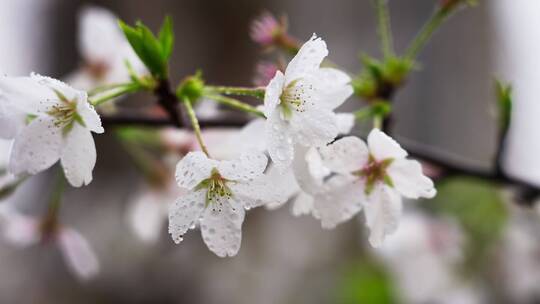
x=248, y=166
x=340, y=202
x=193, y=169
x=307, y=60
x=89, y=115
x=314, y=127
x=37, y=147
x=260, y=191
x=185, y=213
x=279, y=142
x=273, y=93
x=78, y=156
x=345, y=155
x=221, y=227
x=334, y=87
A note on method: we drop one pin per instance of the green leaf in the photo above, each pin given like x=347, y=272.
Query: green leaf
x=166, y=38
x=148, y=48
x=504, y=103
x=365, y=281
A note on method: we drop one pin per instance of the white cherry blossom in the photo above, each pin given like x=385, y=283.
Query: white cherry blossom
x=60, y=124
x=218, y=193
x=374, y=177
x=299, y=104
x=24, y=231
x=104, y=50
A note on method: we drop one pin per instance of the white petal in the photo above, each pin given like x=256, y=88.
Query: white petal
x=250, y=137
x=409, y=180
x=285, y=182
x=314, y=127
x=99, y=35
x=185, y=213
x=273, y=93
x=78, y=156
x=334, y=87
x=279, y=142
x=302, y=204
x=260, y=191
x=27, y=94
x=78, y=254
x=250, y=165
x=383, y=146
x=345, y=155
x=307, y=60
x=383, y=210
x=147, y=215
x=50, y=84
x=221, y=227
x=345, y=122
x=12, y=120
x=341, y=201
x=37, y=147
x=90, y=117
x=193, y=169
x=308, y=175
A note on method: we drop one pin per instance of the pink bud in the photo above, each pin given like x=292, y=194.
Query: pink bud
x=265, y=28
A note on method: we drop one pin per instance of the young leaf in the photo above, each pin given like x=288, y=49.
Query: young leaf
x=149, y=49
x=166, y=38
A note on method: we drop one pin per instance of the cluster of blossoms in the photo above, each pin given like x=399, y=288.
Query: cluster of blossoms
x=333, y=180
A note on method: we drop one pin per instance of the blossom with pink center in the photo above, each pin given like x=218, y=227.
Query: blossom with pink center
x=373, y=177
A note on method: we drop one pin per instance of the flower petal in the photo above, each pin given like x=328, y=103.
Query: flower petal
x=222, y=228
x=345, y=155
x=37, y=147
x=78, y=156
x=307, y=60
x=27, y=94
x=12, y=120
x=185, y=213
x=248, y=166
x=193, y=169
x=147, y=215
x=314, y=127
x=340, y=202
x=308, y=170
x=345, y=122
x=279, y=142
x=409, y=180
x=334, y=87
x=90, y=117
x=303, y=204
x=260, y=191
x=383, y=209
x=285, y=182
x=383, y=146
x=273, y=93
x=78, y=254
